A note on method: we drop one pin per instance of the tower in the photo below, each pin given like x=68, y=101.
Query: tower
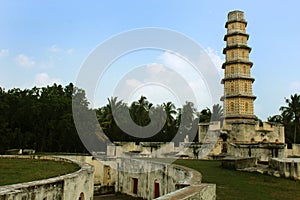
x=238, y=98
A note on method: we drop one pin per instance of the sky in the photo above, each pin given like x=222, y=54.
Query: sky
x=46, y=42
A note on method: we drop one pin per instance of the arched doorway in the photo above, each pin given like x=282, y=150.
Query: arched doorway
x=156, y=189
x=81, y=197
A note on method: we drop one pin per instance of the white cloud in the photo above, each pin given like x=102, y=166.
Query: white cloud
x=24, y=61
x=133, y=83
x=43, y=79
x=204, y=82
x=58, y=50
x=215, y=58
x=174, y=60
x=294, y=87
x=155, y=68
x=3, y=52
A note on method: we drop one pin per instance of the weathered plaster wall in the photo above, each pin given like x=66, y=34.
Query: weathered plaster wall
x=69, y=186
x=146, y=149
x=147, y=179
x=263, y=152
x=295, y=151
x=202, y=192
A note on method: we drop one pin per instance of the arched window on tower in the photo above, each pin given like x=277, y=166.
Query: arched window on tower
x=231, y=87
x=231, y=70
x=231, y=107
x=245, y=87
x=246, y=107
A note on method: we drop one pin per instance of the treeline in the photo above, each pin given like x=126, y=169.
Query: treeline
x=40, y=119
x=176, y=123
x=289, y=116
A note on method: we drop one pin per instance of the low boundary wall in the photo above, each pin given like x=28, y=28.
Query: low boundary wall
x=77, y=185
x=287, y=168
x=154, y=180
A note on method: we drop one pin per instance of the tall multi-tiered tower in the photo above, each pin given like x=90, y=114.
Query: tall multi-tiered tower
x=243, y=135
x=238, y=98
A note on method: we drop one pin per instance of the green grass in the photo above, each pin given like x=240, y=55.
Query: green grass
x=244, y=185
x=24, y=170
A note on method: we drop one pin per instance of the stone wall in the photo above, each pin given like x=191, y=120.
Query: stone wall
x=238, y=163
x=144, y=149
x=287, y=167
x=151, y=180
x=294, y=152
x=77, y=185
x=203, y=192
x=261, y=151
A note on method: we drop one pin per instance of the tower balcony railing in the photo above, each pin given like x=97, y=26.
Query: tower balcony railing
x=236, y=43
x=237, y=30
x=245, y=58
x=238, y=75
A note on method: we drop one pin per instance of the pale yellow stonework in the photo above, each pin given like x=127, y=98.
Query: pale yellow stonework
x=238, y=97
x=242, y=133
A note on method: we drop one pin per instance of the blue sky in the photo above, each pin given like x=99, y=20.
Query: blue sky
x=42, y=42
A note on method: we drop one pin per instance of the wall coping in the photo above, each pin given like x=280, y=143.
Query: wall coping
x=15, y=188
x=287, y=160
x=186, y=193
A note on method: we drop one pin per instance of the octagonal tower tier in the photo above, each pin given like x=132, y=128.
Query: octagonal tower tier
x=238, y=98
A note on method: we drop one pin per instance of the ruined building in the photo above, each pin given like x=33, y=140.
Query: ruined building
x=243, y=135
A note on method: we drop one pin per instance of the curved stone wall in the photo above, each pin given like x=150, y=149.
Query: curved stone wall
x=153, y=180
x=77, y=185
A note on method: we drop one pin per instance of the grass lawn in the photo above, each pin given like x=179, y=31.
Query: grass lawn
x=244, y=185
x=24, y=170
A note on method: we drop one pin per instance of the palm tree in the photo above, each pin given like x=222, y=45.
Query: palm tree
x=217, y=112
x=106, y=114
x=170, y=109
x=276, y=119
x=139, y=111
x=292, y=111
x=188, y=115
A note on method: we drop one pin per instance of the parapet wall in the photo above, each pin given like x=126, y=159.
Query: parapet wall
x=294, y=152
x=152, y=180
x=77, y=185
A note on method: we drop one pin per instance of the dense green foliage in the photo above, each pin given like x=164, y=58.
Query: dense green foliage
x=238, y=185
x=40, y=119
x=25, y=170
x=289, y=117
x=177, y=122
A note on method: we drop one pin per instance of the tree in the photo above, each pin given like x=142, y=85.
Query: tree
x=139, y=111
x=217, y=112
x=276, y=119
x=170, y=110
x=205, y=115
x=292, y=111
x=40, y=118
